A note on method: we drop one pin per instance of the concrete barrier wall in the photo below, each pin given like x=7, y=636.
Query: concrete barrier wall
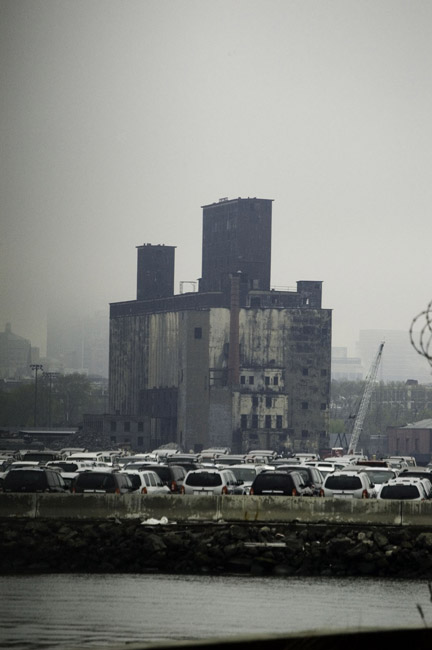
x=253, y=509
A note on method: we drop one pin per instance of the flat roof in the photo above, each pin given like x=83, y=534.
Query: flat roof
x=224, y=200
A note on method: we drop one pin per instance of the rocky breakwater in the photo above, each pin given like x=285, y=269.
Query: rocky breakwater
x=42, y=546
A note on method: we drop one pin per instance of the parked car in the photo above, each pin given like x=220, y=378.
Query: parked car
x=278, y=482
x=146, y=482
x=209, y=481
x=379, y=476
x=171, y=475
x=420, y=472
x=102, y=482
x=347, y=484
x=245, y=474
x=412, y=489
x=33, y=479
x=311, y=476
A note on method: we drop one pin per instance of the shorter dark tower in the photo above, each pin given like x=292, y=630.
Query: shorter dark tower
x=155, y=272
x=236, y=237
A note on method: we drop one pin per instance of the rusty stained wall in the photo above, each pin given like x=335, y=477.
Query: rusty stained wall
x=144, y=353
x=193, y=400
x=298, y=340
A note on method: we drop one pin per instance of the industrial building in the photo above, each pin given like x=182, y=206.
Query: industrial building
x=235, y=364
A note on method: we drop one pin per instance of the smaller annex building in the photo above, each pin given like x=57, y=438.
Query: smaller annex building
x=411, y=440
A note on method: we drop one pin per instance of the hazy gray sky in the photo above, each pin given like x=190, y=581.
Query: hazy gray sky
x=120, y=118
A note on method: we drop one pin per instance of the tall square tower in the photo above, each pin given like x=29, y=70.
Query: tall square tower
x=236, y=237
x=155, y=271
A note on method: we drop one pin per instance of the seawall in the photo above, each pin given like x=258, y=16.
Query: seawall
x=238, y=509
x=251, y=535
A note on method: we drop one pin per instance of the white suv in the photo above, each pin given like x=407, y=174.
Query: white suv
x=209, y=481
x=412, y=488
x=349, y=485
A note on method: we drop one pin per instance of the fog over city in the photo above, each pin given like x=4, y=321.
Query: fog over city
x=120, y=119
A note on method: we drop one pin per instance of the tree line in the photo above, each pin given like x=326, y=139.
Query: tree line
x=391, y=404
x=58, y=401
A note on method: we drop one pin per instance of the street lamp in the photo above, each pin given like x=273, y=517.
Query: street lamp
x=36, y=367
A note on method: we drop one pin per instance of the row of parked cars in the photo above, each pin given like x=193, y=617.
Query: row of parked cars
x=260, y=475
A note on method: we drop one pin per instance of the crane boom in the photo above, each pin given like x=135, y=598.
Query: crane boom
x=364, y=404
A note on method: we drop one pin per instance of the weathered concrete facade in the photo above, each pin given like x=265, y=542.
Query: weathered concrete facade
x=241, y=367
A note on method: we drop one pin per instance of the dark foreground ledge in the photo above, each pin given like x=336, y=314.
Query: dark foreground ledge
x=319, y=640
x=129, y=546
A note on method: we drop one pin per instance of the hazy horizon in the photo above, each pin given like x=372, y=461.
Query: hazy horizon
x=120, y=119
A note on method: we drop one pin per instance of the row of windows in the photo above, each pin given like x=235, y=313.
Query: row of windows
x=270, y=421
x=267, y=380
x=305, y=406
x=269, y=403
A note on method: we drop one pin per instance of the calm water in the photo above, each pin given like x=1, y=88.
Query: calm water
x=59, y=611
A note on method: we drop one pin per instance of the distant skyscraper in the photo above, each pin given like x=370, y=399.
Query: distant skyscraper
x=399, y=360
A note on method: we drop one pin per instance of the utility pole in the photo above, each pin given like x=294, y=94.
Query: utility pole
x=36, y=367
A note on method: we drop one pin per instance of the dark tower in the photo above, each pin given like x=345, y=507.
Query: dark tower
x=155, y=274
x=236, y=237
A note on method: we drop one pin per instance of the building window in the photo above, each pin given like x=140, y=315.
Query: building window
x=251, y=379
x=305, y=372
x=140, y=427
x=323, y=372
x=322, y=434
x=267, y=381
x=268, y=421
x=323, y=406
x=275, y=380
x=254, y=421
x=140, y=441
x=198, y=332
x=113, y=425
x=243, y=421
x=278, y=422
x=305, y=406
x=126, y=427
x=242, y=379
x=268, y=402
x=305, y=433
x=254, y=400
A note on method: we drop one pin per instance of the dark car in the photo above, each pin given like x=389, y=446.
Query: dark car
x=311, y=476
x=280, y=483
x=102, y=482
x=34, y=479
x=171, y=475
